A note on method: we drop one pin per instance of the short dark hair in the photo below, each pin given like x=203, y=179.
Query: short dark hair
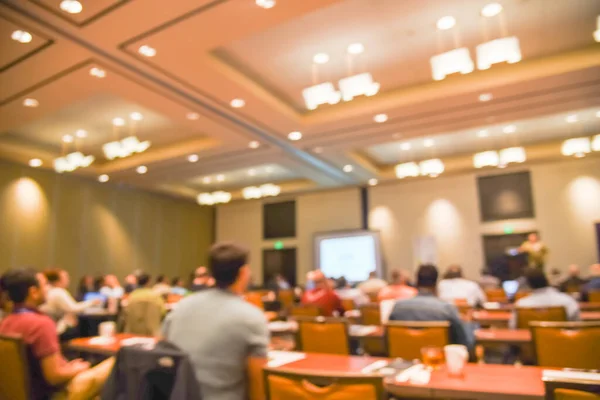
x=53, y=275
x=373, y=274
x=453, y=272
x=161, y=279
x=143, y=279
x=225, y=261
x=175, y=281
x=427, y=276
x=341, y=282
x=16, y=282
x=536, y=279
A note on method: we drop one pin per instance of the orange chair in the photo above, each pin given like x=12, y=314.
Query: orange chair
x=174, y=298
x=571, y=394
x=373, y=297
x=14, y=369
x=256, y=299
x=520, y=295
x=370, y=314
x=496, y=295
x=286, y=298
x=280, y=385
x=571, y=389
x=567, y=344
x=594, y=296
x=305, y=310
x=348, y=304
x=323, y=335
x=525, y=315
x=405, y=339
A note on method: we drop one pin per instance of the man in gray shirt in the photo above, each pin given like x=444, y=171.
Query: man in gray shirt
x=225, y=337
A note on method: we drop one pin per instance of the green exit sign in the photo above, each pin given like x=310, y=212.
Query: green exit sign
x=508, y=230
x=278, y=245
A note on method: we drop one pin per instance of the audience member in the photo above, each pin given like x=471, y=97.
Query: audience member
x=373, y=285
x=112, y=288
x=279, y=283
x=201, y=280
x=346, y=292
x=427, y=307
x=49, y=372
x=488, y=281
x=455, y=288
x=98, y=283
x=397, y=289
x=59, y=301
x=574, y=281
x=555, y=278
x=544, y=296
x=131, y=282
x=143, y=293
x=86, y=285
x=234, y=333
x=178, y=287
x=593, y=283
x=536, y=251
x=321, y=295
x=162, y=286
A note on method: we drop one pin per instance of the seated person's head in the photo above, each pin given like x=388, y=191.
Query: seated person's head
x=595, y=270
x=453, y=272
x=111, y=281
x=229, y=265
x=556, y=271
x=57, y=277
x=398, y=277
x=532, y=237
x=427, y=276
x=143, y=280
x=341, y=283
x=373, y=275
x=201, y=273
x=161, y=279
x=131, y=279
x=25, y=286
x=535, y=278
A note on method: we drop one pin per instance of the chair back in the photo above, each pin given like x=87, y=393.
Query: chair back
x=519, y=295
x=405, y=339
x=373, y=297
x=286, y=298
x=143, y=317
x=496, y=295
x=14, y=369
x=594, y=296
x=305, y=310
x=525, y=315
x=173, y=298
x=280, y=385
x=570, y=389
x=461, y=301
x=567, y=344
x=323, y=335
x=348, y=304
x=573, y=288
x=370, y=314
x=255, y=298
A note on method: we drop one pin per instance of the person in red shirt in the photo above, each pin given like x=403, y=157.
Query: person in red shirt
x=322, y=295
x=49, y=372
x=398, y=289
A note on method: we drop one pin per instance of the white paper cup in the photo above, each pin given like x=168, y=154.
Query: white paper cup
x=456, y=358
x=107, y=329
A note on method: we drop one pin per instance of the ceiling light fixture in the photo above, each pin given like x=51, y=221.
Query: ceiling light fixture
x=405, y=170
x=266, y=4
x=21, y=36
x=147, y=51
x=357, y=85
x=446, y=23
x=269, y=170
x=208, y=199
x=221, y=197
x=237, y=103
x=373, y=182
x=483, y=97
x=35, y=162
x=597, y=32
x=142, y=169
x=67, y=139
x=254, y=144
x=508, y=129
x=405, y=146
x=81, y=133
x=512, y=155
x=431, y=168
x=596, y=143
x=71, y=6
x=192, y=116
x=577, y=147
x=323, y=93
x=206, y=180
x=31, y=103
x=97, y=72
x=136, y=116
x=356, y=48
x=491, y=10
x=380, y=118
x=295, y=136
x=220, y=178
x=321, y=58
x=497, y=51
x=571, y=119
x=251, y=172
x=266, y=190
x=72, y=161
x=451, y=62
x=486, y=159
x=428, y=142
x=125, y=147
x=118, y=121
x=103, y=178
x=193, y=158
x=483, y=133
x=251, y=192
x=348, y=168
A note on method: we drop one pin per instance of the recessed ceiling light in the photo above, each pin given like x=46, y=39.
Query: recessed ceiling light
x=35, y=162
x=237, y=103
x=446, y=22
x=348, y=168
x=356, y=48
x=136, y=116
x=103, y=178
x=318, y=150
x=67, y=139
x=405, y=146
x=380, y=118
x=21, y=36
x=206, y=180
x=483, y=133
x=30, y=103
x=254, y=144
x=321, y=58
x=294, y=136
x=269, y=170
x=147, y=51
x=485, y=97
x=118, y=121
x=266, y=3
x=71, y=6
x=220, y=178
x=97, y=72
x=252, y=172
x=571, y=119
x=491, y=10
x=428, y=142
x=193, y=158
x=597, y=114
x=142, y=169
x=192, y=116
x=81, y=133
x=373, y=182
x=509, y=129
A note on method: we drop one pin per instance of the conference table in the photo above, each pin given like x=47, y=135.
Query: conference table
x=502, y=318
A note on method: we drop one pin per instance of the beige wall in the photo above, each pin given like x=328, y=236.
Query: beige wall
x=91, y=228
x=316, y=212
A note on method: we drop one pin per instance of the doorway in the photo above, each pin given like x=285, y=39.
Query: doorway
x=279, y=262
x=502, y=262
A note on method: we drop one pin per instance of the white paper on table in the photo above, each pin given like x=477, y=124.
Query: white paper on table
x=278, y=358
x=145, y=341
x=417, y=374
x=282, y=326
x=570, y=375
x=361, y=330
x=102, y=340
x=374, y=366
